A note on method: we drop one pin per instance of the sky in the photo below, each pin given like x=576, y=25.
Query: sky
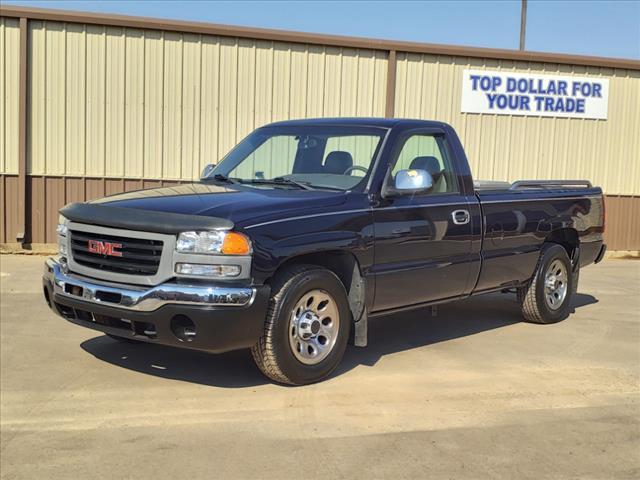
x=609, y=28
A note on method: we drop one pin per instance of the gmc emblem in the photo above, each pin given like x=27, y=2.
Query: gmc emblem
x=105, y=248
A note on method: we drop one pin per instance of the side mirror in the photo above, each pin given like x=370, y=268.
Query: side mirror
x=207, y=170
x=410, y=182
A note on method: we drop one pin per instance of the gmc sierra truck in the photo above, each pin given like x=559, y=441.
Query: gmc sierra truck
x=305, y=231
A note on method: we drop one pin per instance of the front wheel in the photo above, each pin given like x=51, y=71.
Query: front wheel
x=547, y=296
x=306, y=328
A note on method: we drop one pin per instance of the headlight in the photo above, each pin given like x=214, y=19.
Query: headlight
x=62, y=231
x=216, y=242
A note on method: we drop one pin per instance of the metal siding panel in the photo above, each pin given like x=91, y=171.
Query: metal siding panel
x=228, y=99
x=281, y=81
x=264, y=83
x=298, y=82
x=210, y=72
x=380, y=84
x=75, y=95
x=191, y=166
x=9, y=92
x=349, y=83
x=315, y=81
x=172, y=112
x=36, y=153
x=95, y=101
x=74, y=190
x=4, y=95
x=364, y=94
x=131, y=185
x=94, y=188
x=9, y=218
x=113, y=186
x=153, y=103
x=332, y=82
x=246, y=87
x=4, y=203
x=55, y=98
x=134, y=104
x=54, y=200
x=620, y=233
x=246, y=97
x=12, y=216
x=38, y=222
x=115, y=124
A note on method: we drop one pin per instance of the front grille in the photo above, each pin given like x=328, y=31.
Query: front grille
x=140, y=256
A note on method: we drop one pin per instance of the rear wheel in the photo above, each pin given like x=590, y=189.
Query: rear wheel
x=547, y=296
x=306, y=328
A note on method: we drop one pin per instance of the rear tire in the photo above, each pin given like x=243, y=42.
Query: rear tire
x=306, y=328
x=547, y=296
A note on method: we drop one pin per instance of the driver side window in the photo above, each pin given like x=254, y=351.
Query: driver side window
x=426, y=152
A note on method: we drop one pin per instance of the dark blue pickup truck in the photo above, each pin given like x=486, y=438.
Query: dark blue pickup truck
x=305, y=231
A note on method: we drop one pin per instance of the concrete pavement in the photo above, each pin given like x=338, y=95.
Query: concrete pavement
x=472, y=393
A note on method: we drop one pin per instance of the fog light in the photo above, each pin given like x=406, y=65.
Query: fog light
x=208, y=270
x=183, y=328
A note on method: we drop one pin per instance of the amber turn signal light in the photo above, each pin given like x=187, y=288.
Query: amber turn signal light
x=236, y=244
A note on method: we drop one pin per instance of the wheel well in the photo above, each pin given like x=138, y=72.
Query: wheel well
x=347, y=269
x=567, y=238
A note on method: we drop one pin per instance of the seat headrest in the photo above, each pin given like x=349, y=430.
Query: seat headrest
x=428, y=163
x=338, y=162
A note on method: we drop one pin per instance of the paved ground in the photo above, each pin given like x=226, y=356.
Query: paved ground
x=472, y=393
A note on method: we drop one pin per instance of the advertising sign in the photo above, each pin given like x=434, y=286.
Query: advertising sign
x=530, y=94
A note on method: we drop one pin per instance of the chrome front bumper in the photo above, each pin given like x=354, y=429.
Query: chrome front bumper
x=142, y=299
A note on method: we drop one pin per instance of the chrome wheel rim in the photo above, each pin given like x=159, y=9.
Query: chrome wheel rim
x=555, y=285
x=313, y=327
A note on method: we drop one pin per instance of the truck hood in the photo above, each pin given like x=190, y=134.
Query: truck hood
x=239, y=204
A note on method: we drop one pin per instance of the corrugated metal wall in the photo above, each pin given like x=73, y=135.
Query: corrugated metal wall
x=9, y=88
x=607, y=152
x=111, y=109
x=120, y=102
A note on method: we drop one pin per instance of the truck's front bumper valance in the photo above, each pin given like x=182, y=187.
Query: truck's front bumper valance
x=203, y=317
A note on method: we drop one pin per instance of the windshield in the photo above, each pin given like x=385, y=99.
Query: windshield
x=304, y=156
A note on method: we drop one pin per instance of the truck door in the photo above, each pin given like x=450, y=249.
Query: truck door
x=423, y=242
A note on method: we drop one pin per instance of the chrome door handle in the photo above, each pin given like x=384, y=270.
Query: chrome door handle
x=460, y=217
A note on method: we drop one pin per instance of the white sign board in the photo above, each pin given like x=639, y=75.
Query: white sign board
x=511, y=93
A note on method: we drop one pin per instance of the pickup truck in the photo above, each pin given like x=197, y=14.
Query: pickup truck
x=308, y=229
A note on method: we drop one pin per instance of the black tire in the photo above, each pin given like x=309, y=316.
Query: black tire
x=122, y=339
x=535, y=307
x=272, y=353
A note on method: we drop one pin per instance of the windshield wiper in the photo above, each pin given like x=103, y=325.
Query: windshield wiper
x=278, y=181
x=222, y=178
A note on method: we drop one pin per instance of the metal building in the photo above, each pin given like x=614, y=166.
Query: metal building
x=99, y=104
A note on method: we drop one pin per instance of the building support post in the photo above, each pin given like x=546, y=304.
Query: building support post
x=21, y=236
x=389, y=109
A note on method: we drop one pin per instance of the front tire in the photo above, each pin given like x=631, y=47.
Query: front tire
x=306, y=328
x=547, y=296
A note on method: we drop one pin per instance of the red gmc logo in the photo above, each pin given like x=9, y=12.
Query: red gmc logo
x=105, y=248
